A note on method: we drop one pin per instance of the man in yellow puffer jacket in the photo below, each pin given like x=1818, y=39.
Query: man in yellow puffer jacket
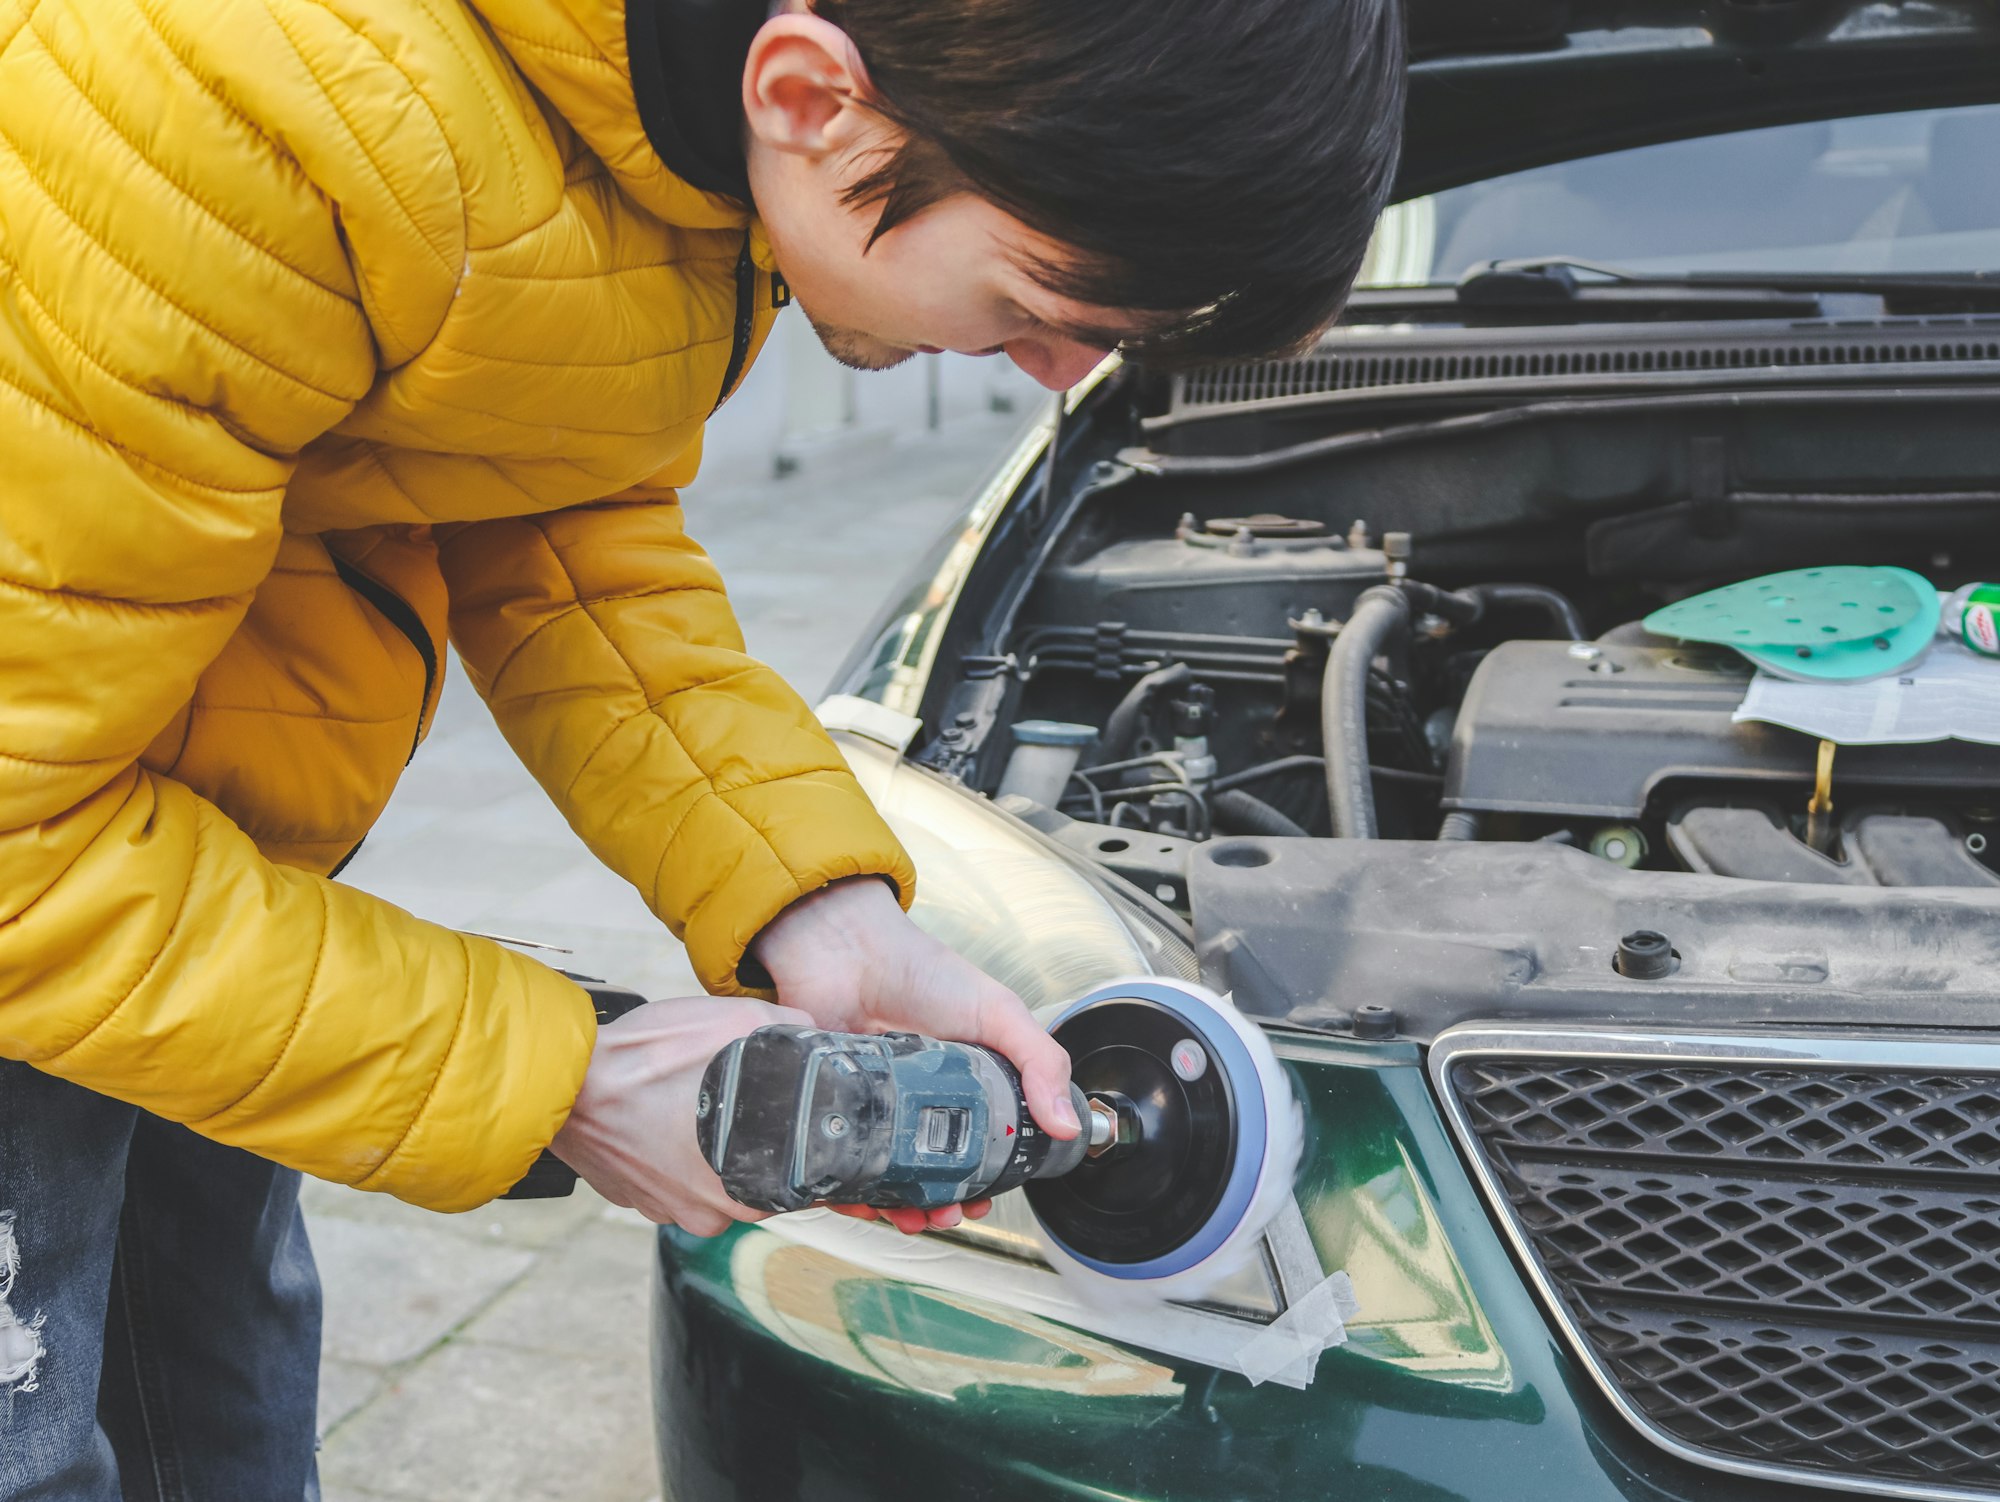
x=332, y=330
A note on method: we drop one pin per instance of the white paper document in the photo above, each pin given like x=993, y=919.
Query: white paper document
x=1953, y=694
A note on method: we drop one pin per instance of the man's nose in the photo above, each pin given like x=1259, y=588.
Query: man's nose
x=1055, y=363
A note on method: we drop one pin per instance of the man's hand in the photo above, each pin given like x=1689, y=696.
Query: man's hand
x=631, y=1133
x=851, y=960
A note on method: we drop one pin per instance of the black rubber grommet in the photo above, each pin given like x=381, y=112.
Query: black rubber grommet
x=1374, y=1021
x=1645, y=954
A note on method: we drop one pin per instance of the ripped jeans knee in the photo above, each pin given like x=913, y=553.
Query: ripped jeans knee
x=21, y=1347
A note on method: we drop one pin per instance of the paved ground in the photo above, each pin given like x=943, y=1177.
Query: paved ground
x=502, y=1353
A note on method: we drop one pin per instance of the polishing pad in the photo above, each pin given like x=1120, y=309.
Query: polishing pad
x=1210, y=1137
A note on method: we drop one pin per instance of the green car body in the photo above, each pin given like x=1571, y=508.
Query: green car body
x=1450, y=1384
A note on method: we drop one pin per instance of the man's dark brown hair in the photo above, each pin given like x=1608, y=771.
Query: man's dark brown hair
x=1219, y=164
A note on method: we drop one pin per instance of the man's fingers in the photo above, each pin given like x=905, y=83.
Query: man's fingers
x=942, y=1219
x=904, y=1219
x=1006, y=1023
x=703, y=1223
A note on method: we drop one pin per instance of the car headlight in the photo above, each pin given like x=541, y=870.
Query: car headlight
x=1030, y=914
x=1036, y=918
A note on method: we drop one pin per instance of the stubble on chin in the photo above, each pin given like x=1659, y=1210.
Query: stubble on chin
x=859, y=351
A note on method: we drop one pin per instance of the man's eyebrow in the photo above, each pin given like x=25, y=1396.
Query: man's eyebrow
x=1097, y=336
x=1048, y=276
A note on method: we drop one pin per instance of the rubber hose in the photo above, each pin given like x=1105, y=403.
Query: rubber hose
x=1238, y=812
x=1551, y=602
x=1265, y=769
x=1114, y=742
x=1459, y=824
x=1462, y=607
x=1381, y=618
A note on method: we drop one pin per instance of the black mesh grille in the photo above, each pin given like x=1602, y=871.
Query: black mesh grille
x=1328, y=371
x=1798, y=1267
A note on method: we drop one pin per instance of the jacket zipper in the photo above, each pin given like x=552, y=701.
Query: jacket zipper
x=397, y=612
x=746, y=322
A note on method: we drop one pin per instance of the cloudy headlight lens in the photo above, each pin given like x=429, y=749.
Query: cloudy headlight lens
x=1032, y=917
x=1039, y=919
x=1019, y=908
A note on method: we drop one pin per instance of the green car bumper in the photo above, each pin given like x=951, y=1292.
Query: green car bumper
x=782, y=1371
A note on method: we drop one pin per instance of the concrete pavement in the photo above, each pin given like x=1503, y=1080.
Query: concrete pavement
x=502, y=1353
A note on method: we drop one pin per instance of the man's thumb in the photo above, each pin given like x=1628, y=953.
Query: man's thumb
x=1045, y=1081
x=1007, y=1025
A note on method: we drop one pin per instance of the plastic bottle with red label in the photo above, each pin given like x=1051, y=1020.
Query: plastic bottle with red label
x=1972, y=614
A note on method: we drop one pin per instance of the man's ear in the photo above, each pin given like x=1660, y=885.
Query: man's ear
x=802, y=86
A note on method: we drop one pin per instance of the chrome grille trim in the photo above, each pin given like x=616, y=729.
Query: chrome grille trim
x=1896, y=1054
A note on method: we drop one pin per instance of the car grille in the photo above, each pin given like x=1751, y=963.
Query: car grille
x=1780, y=1265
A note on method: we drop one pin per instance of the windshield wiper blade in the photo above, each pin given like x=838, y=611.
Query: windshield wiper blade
x=1553, y=280
x=1553, y=283
x=1513, y=292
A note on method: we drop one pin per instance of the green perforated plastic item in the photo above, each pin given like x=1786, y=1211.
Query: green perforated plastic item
x=1855, y=661
x=1802, y=607
x=1837, y=624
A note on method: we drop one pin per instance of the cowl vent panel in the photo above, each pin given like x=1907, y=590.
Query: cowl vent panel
x=1367, y=361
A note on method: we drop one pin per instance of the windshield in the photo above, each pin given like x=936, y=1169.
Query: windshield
x=1891, y=193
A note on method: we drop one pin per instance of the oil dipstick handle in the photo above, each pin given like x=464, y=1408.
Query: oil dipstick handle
x=793, y=1116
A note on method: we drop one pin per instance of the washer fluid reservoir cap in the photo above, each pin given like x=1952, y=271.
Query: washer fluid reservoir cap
x=1053, y=733
x=1264, y=524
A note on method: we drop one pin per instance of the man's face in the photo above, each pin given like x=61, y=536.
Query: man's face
x=949, y=279
x=954, y=277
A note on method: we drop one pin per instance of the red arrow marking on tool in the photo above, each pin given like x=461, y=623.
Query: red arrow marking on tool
x=1010, y=1131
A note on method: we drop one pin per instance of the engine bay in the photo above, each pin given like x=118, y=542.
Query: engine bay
x=1228, y=668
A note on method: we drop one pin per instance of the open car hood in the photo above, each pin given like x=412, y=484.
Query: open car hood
x=1501, y=85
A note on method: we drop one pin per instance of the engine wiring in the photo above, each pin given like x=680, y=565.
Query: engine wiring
x=1108, y=805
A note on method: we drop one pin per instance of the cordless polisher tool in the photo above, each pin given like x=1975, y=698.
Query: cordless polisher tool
x=1190, y=1131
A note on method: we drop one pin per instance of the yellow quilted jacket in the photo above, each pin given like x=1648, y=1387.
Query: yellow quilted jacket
x=327, y=328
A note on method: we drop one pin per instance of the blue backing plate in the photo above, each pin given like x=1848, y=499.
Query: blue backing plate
x=1802, y=607
x=1252, y=1129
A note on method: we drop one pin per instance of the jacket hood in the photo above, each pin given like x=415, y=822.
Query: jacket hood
x=1500, y=85
x=650, y=86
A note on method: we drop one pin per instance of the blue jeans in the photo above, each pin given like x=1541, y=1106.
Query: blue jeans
x=164, y=1302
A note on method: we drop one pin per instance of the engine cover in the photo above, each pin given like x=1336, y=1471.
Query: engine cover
x=1543, y=731
x=1194, y=581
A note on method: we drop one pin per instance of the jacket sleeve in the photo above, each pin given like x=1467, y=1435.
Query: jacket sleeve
x=165, y=350
x=604, y=643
